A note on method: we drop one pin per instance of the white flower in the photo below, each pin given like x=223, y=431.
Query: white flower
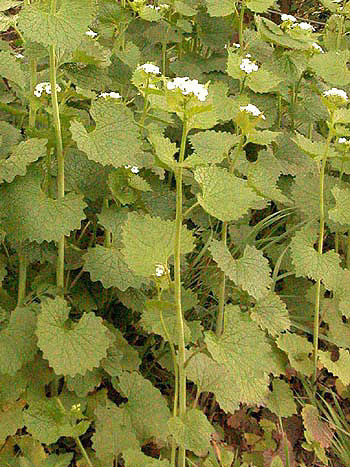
x=152, y=7
x=285, y=17
x=45, y=86
x=248, y=66
x=248, y=56
x=135, y=170
x=305, y=26
x=91, y=33
x=317, y=47
x=336, y=92
x=164, y=5
x=160, y=270
x=188, y=86
x=343, y=140
x=237, y=45
x=18, y=55
x=113, y=95
x=252, y=109
x=149, y=68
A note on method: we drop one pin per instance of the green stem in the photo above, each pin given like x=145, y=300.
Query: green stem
x=22, y=276
x=241, y=23
x=108, y=233
x=32, y=110
x=177, y=273
x=83, y=451
x=348, y=251
x=221, y=307
x=279, y=120
x=220, y=315
x=320, y=247
x=340, y=32
x=60, y=157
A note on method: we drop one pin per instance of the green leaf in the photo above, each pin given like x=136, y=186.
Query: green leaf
x=213, y=146
x=149, y=241
x=339, y=368
x=7, y=4
x=315, y=149
x=193, y=433
x=82, y=385
x=151, y=321
x=130, y=55
x=149, y=14
x=281, y=400
x=47, y=421
x=317, y=430
x=146, y=409
x=17, y=340
x=136, y=458
x=244, y=352
x=263, y=81
x=309, y=263
x=120, y=356
x=54, y=460
x=224, y=195
x=71, y=348
x=11, y=419
x=22, y=155
x=298, y=349
x=264, y=174
x=220, y=7
x=270, y=312
x=251, y=272
x=114, y=123
x=65, y=29
x=259, y=6
x=164, y=149
x=113, y=434
x=108, y=266
x=340, y=213
x=33, y=215
x=332, y=67
x=85, y=176
x=11, y=70
x=184, y=8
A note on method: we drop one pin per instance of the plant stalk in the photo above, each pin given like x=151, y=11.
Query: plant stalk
x=177, y=273
x=83, y=451
x=60, y=156
x=22, y=276
x=320, y=249
x=241, y=23
x=108, y=233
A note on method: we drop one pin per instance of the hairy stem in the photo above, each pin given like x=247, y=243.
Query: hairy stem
x=59, y=152
x=22, y=276
x=32, y=110
x=177, y=271
x=241, y=24
x=320, y=248
x=108, y=233
x=83, y=451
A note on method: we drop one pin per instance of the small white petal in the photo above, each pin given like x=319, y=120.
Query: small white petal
x=135, y=170
x=91, y=33
x=285, y=17
x=336, y=92
x=149, y=68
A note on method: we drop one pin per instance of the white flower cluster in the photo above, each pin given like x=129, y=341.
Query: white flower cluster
x=162, y=6
x=344, y=141
x=160, y=270
x=336, y=93
x=91, y=33
x=291, y=18
x=304, y=26
x=149, y=68
x=253, y=110
x=113, y=95
x=188, y=86
x=317, y=47
x=18, y=55
x=45, y=86
x=247, y=65
x=152, y=7
x=134, y=169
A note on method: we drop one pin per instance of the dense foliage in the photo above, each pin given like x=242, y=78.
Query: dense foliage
x=175, y=234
